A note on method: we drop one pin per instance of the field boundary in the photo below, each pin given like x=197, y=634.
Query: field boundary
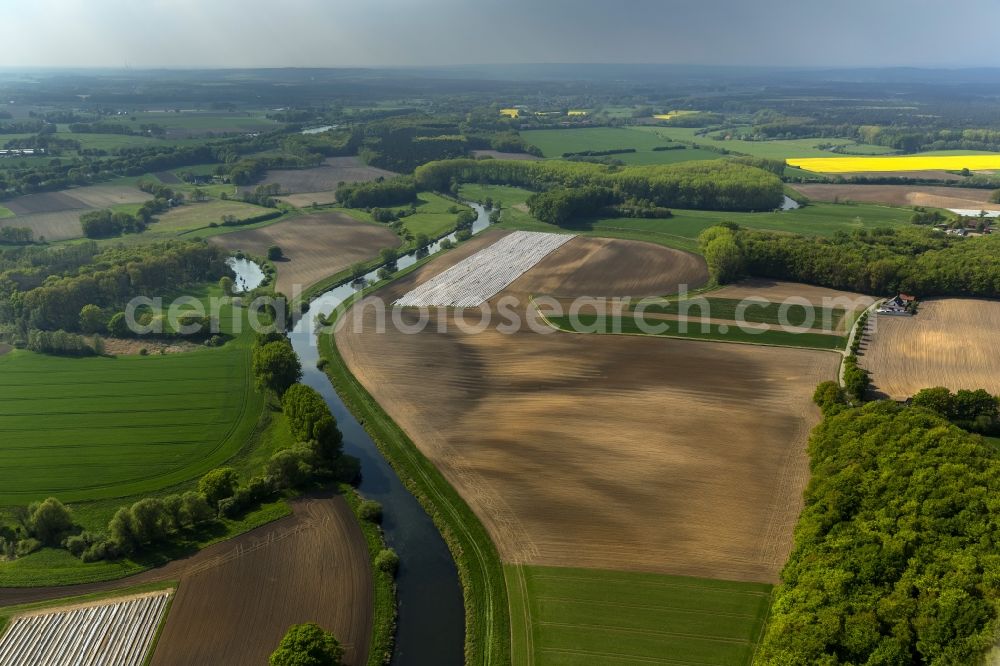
x=556, y=327
x=487, y=620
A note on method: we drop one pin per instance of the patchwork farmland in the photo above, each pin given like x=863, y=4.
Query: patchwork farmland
x=950, y=342
x=107, y=633
x=699, y=473
x=574, y=382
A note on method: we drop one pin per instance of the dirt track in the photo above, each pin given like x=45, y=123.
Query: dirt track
x=237, y=598
x=902, y=195
x=315, y=246
x=604, y=451
x=950, y=342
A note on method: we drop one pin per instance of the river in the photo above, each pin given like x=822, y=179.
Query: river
x=431, y=627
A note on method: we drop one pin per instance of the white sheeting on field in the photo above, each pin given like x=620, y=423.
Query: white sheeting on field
x=112, y=634
x=476, y=279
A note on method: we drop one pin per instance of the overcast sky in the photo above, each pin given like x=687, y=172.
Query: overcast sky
x=335, y=33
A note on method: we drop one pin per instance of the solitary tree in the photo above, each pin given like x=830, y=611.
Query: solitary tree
x=274, y=253
x=307, y=645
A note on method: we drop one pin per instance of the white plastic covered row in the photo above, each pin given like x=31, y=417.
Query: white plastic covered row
x=476, y=279
x=113, y=634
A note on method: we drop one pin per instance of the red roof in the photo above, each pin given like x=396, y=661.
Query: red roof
x=907, y=297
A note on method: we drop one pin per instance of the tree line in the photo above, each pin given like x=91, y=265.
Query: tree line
x=878, y=261
x=705, y=185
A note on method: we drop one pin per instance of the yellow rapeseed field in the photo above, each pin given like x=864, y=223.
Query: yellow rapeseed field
x=510, y=113
x=898, y=163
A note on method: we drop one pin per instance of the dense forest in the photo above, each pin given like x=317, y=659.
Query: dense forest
x=708, y=185
x=896, y=551
x=49, y=289
x=881, y=261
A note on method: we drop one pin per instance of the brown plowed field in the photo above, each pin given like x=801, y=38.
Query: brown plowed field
x=52, y=226
x=235, y=611
x=588, y=266
x=237, y=598
x=93, y=196
x=325, y=177
x=50, y=202
x=612, y=452
x=777, y=291
x=951, y=342
x=902, y=195
x=315, y=246
x=927, y=174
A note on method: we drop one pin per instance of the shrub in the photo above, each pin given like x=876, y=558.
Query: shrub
x=371, y=511
x=388, y=561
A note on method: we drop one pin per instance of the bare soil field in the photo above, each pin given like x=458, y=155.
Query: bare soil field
x=306, y=199
x=315, y=246
x=950, y=342
x=926, y=174
x=498, y=155
x=105, y=196
x=167, y=177
x=237, y=598
x=52, y=226
x=588, y=266
x=609, y=452
x=50, y=202
x=902, y=195
x=93, y=196
x=333, y=171
x=777, y=291
x=5, y=348
x=235, y=610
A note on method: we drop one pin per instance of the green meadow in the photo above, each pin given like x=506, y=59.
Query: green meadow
x=583, y=617
x=554, y=143
x=681, y=231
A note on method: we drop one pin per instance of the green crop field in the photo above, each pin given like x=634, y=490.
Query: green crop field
x=198, y=215
x=556, y=142
x=588, y=616
x=94, y=428
x=694, y=330
x=5, y=212
x=753, y=312
x=681, y=231
x=432, y=217
x=778, y=149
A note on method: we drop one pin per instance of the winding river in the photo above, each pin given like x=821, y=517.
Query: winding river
x=431, y=627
